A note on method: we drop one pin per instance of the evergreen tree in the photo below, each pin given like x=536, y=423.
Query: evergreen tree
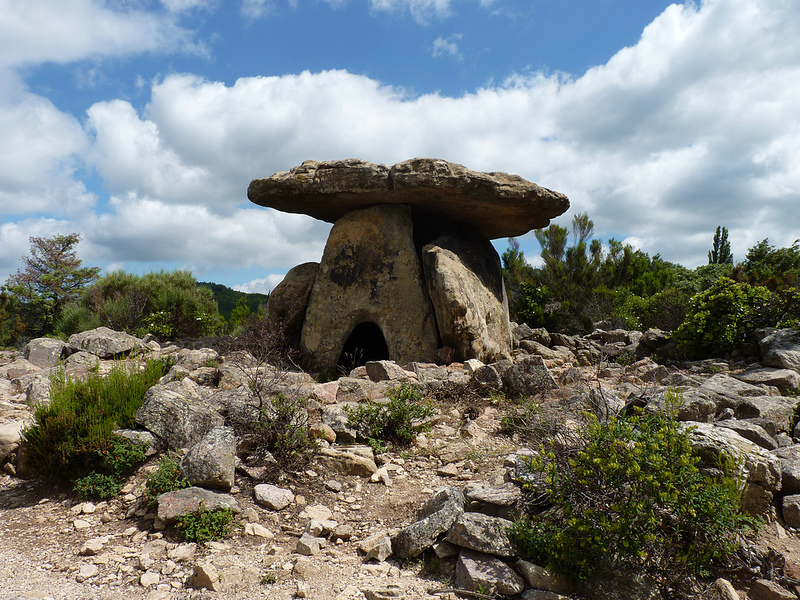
x=52, y=277
x=720, y=253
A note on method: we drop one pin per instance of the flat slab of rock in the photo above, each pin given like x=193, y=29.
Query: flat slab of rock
x=496, y=204
x=104, y=342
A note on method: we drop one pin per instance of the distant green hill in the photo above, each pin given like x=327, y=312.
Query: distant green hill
x=227, y=298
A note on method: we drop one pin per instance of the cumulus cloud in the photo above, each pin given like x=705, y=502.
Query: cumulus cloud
x=63, y=31
x=692, y=127
x=263, y=285
x=448, y=47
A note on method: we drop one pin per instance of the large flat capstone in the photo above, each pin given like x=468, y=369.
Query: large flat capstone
x=494, y=204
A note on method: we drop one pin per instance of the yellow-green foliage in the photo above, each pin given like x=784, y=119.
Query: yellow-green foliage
x=630, y=496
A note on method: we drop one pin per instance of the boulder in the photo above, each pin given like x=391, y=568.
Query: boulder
x=346, y=462
x=781, y=349
x=482, y=533
x=496, y=205
x=465, y=283
x=104, y=342
x=368, y=301
x=44, y=352
x=785, y=380
x=210, y=462
x=435, y=519
x=180, y=421
x=174, y=504
x=10, y=437
x=272, y=497
x=288, y=301
x=478, y=571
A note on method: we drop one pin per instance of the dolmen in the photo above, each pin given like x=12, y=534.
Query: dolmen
x=408, y=272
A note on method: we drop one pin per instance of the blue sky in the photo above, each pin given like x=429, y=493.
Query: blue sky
x=139, y=124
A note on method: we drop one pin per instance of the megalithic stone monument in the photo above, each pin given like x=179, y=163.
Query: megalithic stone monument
x=408, y=267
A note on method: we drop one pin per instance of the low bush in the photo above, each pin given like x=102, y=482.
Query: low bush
x=73, y=435
x=203, y=525
x=397, y=422
x=166, y=478
x=98, y=485
x=625, y=494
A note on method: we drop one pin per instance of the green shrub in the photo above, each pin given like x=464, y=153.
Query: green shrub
x=98, y=485
x=721, y=317
x=397, y=422
x=626, y=494
x=166, y=304
x=203, y=525
x=72, y=436
x=166, y=478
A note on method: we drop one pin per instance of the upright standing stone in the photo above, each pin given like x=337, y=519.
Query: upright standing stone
x=465, y=284
x=370, y=273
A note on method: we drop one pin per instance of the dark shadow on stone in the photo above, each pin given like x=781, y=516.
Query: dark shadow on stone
x=364, y=344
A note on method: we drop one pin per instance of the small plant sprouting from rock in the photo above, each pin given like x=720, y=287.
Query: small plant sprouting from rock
x=166, y=478
x=203, y=525
x=625, y=493
x=397, y=422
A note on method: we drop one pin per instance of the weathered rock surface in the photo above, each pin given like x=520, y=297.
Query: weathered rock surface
x=781, y=349
x=476, y=571
x=288, y=301
x=174, y=504
x=435, y=519
x=465, y=284
x=369, y=274
x=44, y=352
x=179, y=421
x=104, y=342
x=495, y=204
x=210, y=462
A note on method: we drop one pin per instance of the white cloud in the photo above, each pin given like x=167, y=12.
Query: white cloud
x=694, y=126
x=448, y=47
x=40, y=149
x=264, y=285
x=64, y=31
x=423, y=11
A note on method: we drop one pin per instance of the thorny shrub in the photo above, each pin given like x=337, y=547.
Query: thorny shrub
x=166, y=478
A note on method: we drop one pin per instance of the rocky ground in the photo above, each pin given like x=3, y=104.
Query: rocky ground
x=53, y=545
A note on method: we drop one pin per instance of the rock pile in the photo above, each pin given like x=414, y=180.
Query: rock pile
x=742, y=410
x=408, y=267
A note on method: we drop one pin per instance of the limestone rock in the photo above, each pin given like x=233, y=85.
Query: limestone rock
x=307, y=545
x=368, y=300
x=174, y=504
x=783, y=379
x=205, y=575
x=465, y=284
x=482, y=533
x=210, y=462
x=475, y=571
x=176, y=419
x=436, y=518
x=288, y=301
x=497, y=205
x=272, y=497
x=44, y=352
x=764, y=589
x=10, y=437
x=104, y=342
x=346, y=462
x=791, y=510
x=781, y=349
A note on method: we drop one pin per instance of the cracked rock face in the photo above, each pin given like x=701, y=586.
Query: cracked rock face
x=495, y=205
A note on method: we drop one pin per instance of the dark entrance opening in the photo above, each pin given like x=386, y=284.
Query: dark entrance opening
x=364, y=344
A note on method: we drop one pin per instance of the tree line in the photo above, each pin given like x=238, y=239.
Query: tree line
x=53, y=294
x=582, y=284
